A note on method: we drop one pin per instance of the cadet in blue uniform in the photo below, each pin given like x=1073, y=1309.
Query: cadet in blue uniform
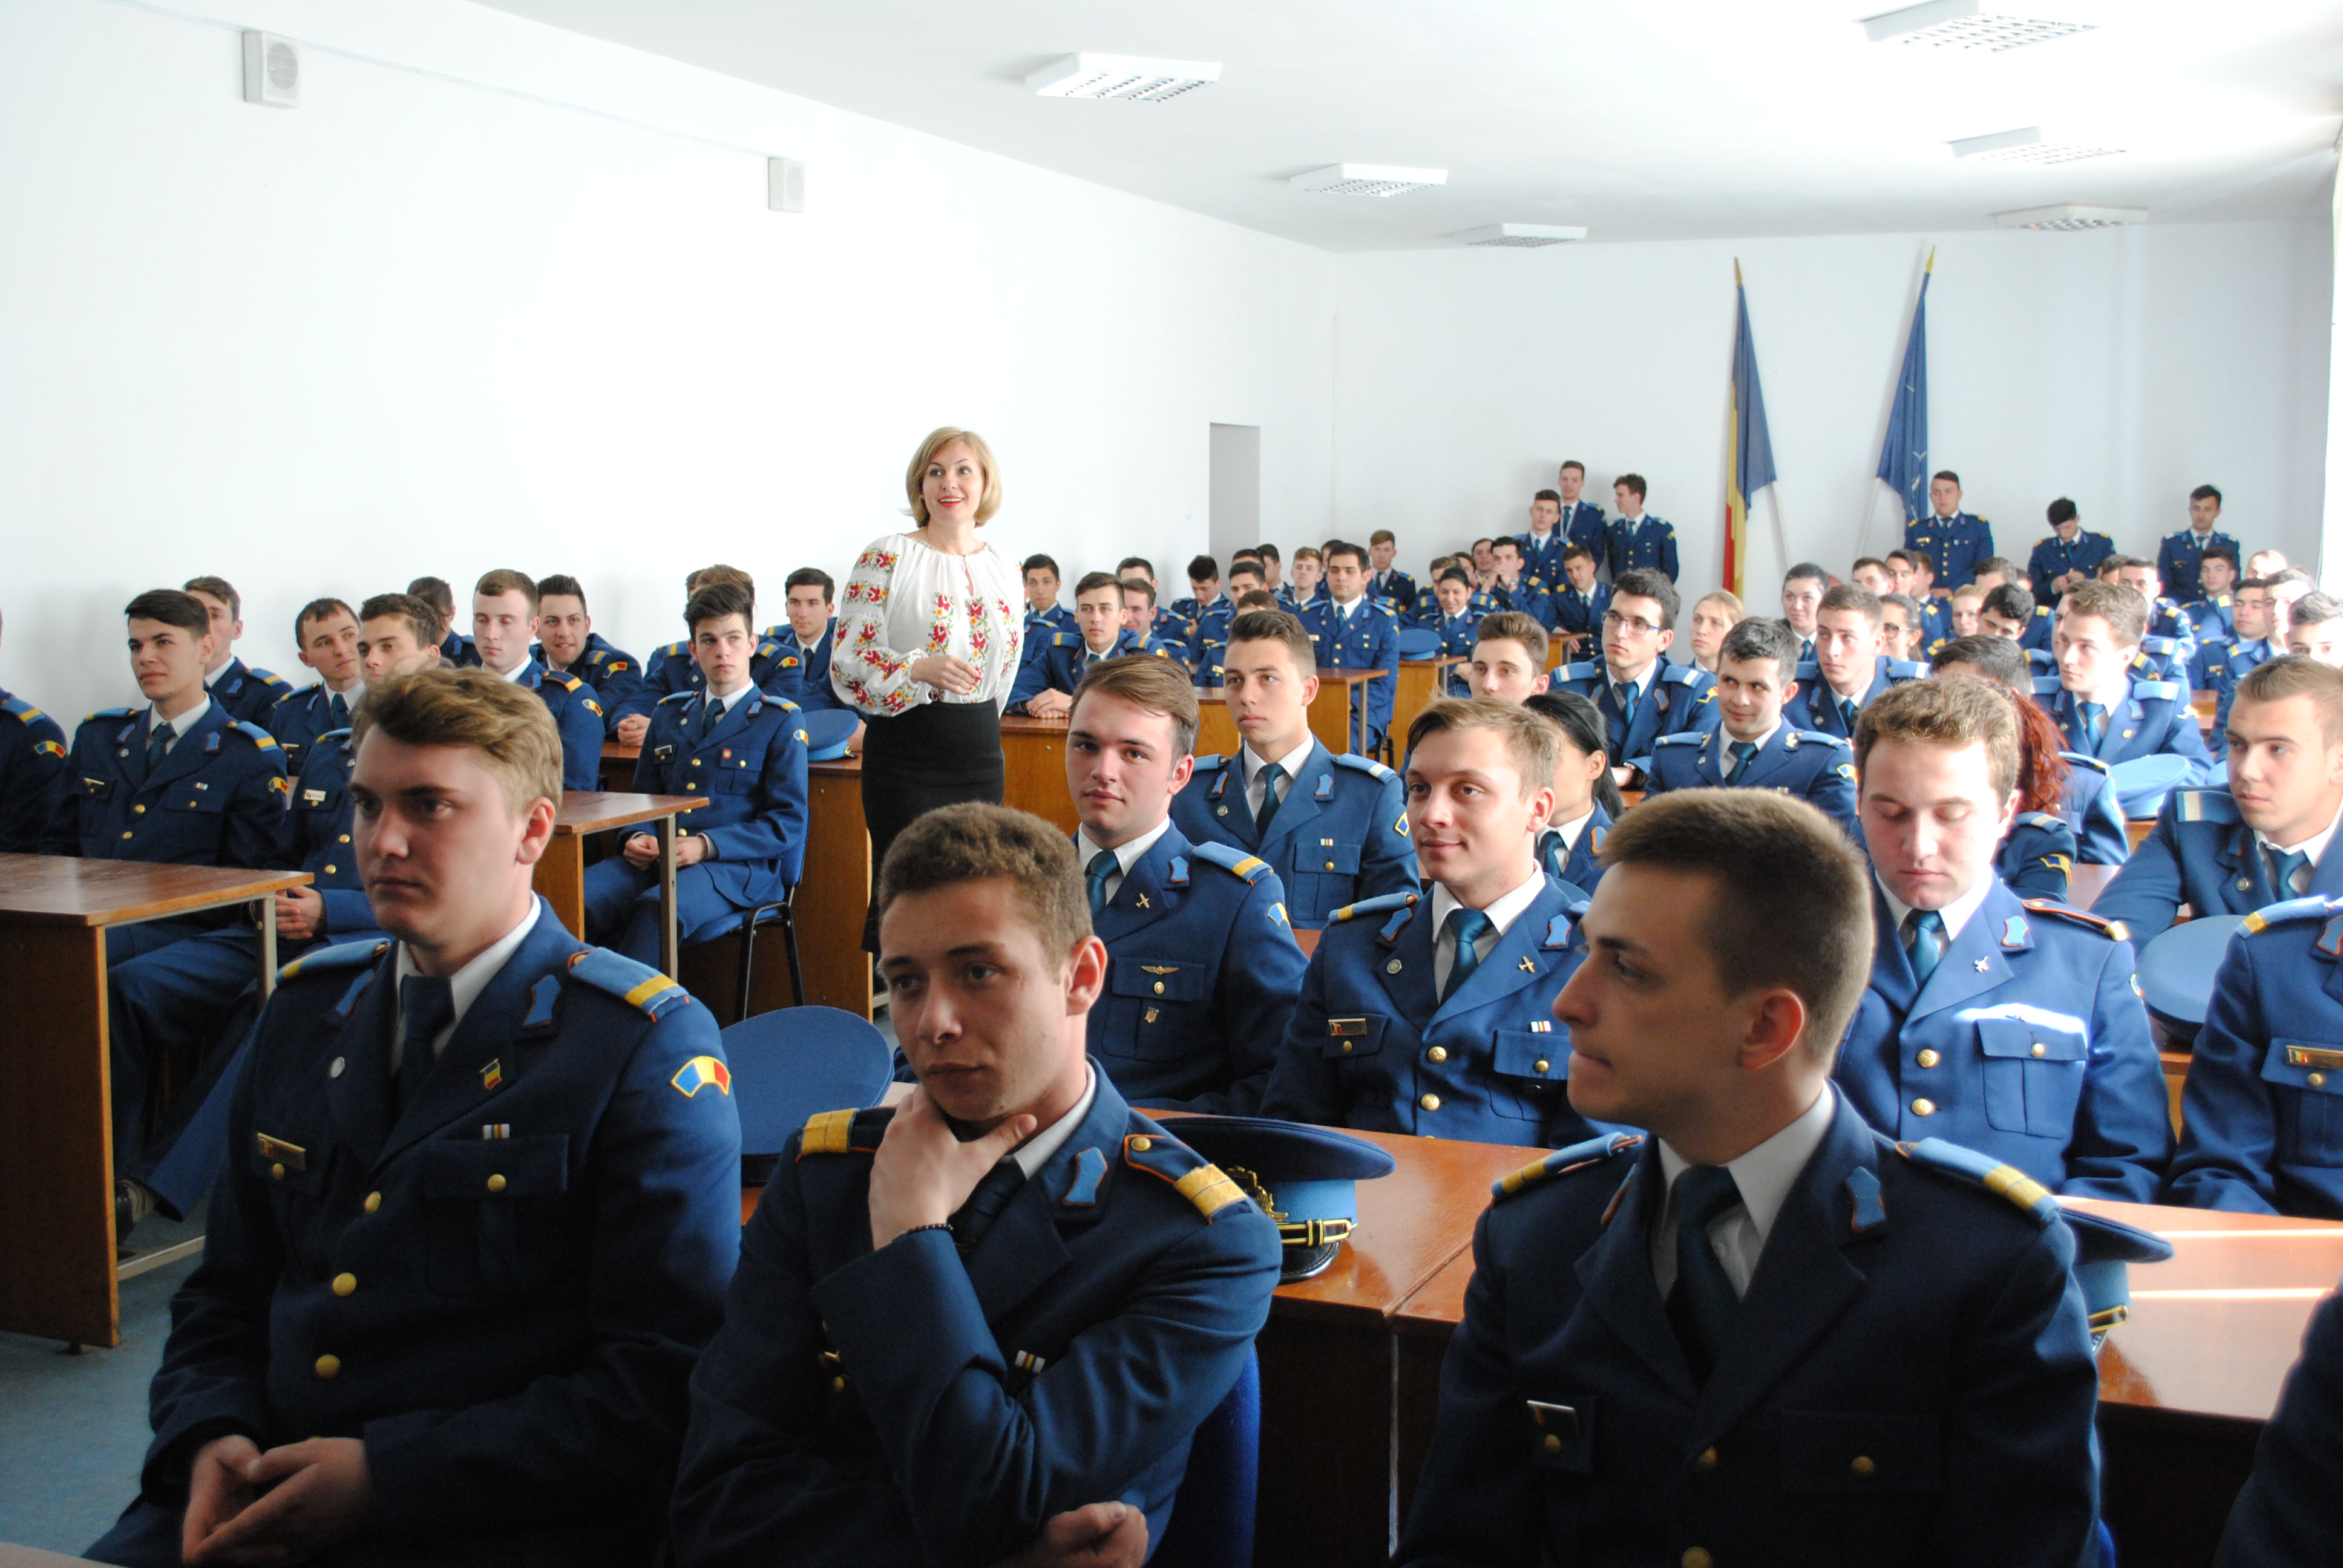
x=1428, y=1012
x=671, y=668
x=1354, y=631
x=326, y=634
x=1202, y=965
x=1956, y=541
x=802, y=673
x=933, y=1347
x=1579, y=600
x=1203, y=588
x=2255, y=611
x=1754, y=747
x=1051, y=670
x=1153, y=630
x=2289, y=1513
x=2068, y=555
x=1514, y=591
x=247, y=693
x=1043, y=613
x=2144, y=730
x=2171, y=635
x=1582, y=521
x=1761, y=1335
x=1636, y=540
x=1586, y=800
x=1543, y=546
x=568, y=644
x=1508, y=659
x=1211, y=637
x=480, y=1204
x=742, y=749
x=503, y=621
x=2211, y=612
x=32, y=771
x=1916, y=574
x=1849, y=671
x=2180, y=558
x=2087, y=806
x=1456, y=630
x=1333, y=828
x=2014, y=1029
x=1642, y=696
x=1386, y=581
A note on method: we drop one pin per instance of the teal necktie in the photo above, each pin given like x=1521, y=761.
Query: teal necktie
x=1551, y=851
x=1702, y=1305
x=1269, y=775
x=2284, y=864
x=1923, y=940
x=710, y=718
x=1102, y=865
x=1743, y=750
x=1624, y=690
x=158, y=742
x=1847, y=711
x=1468, y=927
x=2095, y=723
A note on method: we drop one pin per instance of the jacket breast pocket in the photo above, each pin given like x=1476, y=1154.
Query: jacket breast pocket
x=2309, y=1120
x=193, y=795
x=96, y=788
x=1354, y=1035
x=326, y=800
x=292, y=1167
x=1533, y=1072
x=1860, y=1485
x=1319, y=877
x=495, y=1219
x=735, y=775
x=1157, y=995
x=2033, y=1072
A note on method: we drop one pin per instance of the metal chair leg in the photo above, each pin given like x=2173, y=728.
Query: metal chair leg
x=789, y=945
x=748, y=962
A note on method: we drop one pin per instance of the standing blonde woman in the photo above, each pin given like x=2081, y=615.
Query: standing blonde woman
x=927, y=643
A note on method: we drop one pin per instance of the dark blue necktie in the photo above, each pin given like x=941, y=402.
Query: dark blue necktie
x=984, y=1205
x=1702, y=1305
x=1923, y=940
x=1269, y=775
x=2284, y=864
x=426, y=1005
x=1743, y=750
x=1554, y=853
x=1102, y=865
x=713, y=717
x=1468, y=927
x=158, y=742
x=340, y=709
x=1847, y=712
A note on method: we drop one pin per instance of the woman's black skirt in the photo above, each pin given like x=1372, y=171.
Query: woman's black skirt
x=937, y=754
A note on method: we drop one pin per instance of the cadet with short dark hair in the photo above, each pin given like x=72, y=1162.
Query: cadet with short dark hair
x=1355, y=631
x=1756, y=745
x=2068, y=555
x=808, y=638
x=672, y=667
x=246, y=693
x=504, y=626
x=1053, y=666
x=568, y=644
x=325, y=633
x=2144, y=729
x=1959, y=542
x=1849, y=670
x=2180, y=558
x=1642, y=696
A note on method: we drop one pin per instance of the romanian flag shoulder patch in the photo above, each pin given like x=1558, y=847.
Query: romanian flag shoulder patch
x=698, y=1074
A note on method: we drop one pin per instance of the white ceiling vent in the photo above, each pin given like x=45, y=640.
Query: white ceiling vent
x=1964, y=24
x=1367, y=179
x=1123, y=76
x=2068, y=218
x=1522, y=235
x=272, y=71
x=2029, y=146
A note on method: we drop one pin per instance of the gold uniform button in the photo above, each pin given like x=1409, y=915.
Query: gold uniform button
x=1864, y=1465
x=1347, y=1048
x=1437, y=1053
x=1707, y=1460
x=276, y=1172
x=1330, y=865
x=2040, y=1049
x=838, y=1385
x=2316, y=1080
x=1429, y=1103
x=1923, y=1107
x=138, y=810
x=1541, y=1065
x=343, y=839
x=346, y=1284
x=1929, y=1057
x=1698, y=1557
x=374, y=1202
x=496, y=1183
x=1142, y=1145
x=331, y=870
x=126, y=832
x=328, y=1365
x=1553, y=1443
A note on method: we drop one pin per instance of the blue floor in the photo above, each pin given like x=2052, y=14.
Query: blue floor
x=73, y=1428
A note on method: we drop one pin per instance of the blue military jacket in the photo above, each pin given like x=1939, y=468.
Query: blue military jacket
x=1680, y=699
x=611, y=675
x=671, y=668
x=2180, y=561
x=315, y=836
x=800, y=677
x=1339, y=834
x=2200, y=853
x=1815, y=706
x=1203, y=972
x=1042, y=623
x=2102, y=835
x=909, y=1405
x=1909, y=1380
x=247, y=693
x=2262, y=1113
x=1541, y=558
x=1804, y=764
x=752, y=769
x=579, y=718
x=1577, y=613
x=1369, y=639
x=2238, y=661
x=1648, y=541
x=32, y=767
x=2156, y=719
x=1395, y=587
x=1057, y=665
x=2054, y=558
x=299, y=718
x=2028, y=1044
x=1955, y=544
x=216, y=800
x=1582, y=867
x=1210, y=641
x=2289, y=1513
x=1372, y=1047
x=501, y=1289
x=2212, y=614
x=2036, y=857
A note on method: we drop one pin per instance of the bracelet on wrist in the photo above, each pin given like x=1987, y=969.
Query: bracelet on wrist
x=915, y=1229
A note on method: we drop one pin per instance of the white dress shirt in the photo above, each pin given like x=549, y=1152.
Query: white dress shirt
x=1502, y=913
x=1955, y=914
x=1035, y=1151
x=1291, y=764
x=719, y=701
x=1725, y=738
x=1765, y=1176
x=1087, y=849
x=181, y=726
x=1571, y=831
x=465, y=985
x=2315, y=847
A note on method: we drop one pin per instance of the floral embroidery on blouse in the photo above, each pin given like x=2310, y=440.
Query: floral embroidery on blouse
x=903, y=602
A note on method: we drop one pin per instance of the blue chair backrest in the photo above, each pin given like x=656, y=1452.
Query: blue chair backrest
x=791, y=1063
x=1211, y=1519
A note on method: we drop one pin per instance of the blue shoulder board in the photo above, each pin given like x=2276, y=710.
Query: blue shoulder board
x=678, y=696
x=253, y=733
x=1562, y=1162
x=562, y=679
x=1685, y=674
x=113, y=713
x=2041, y=819
x=637, y=985
x=2081, y=758
x=1583, y=669
x=18, y=707
x=1234, y=860
x=265, y=678
x=2113, y=931
x=1212, y=764
x=297, y=695
x=1816, y=738
x=341, y=956
x=2168, y=690
x=1906, y=669
x=1374, y=906
x=1363, y=765
x=2204, y=806
x=674, y=650
x=1191, y=1175
x=1687, y=740
x=2310, y=908
x=767, y=651
x=1982, y=1171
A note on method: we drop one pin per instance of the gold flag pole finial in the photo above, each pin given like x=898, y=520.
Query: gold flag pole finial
x=1932, y=258
x=1736, y=272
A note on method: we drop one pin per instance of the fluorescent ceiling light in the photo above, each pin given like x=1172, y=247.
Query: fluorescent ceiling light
x=1524, y=235
x=1127, y=78
x=1367, y=179
x=2068, y=217
x=1963, y=24
x=2028, y=144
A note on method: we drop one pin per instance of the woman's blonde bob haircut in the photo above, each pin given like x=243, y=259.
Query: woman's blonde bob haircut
x=937, y=439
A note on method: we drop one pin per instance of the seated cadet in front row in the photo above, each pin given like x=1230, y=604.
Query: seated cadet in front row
x=1849, y=670
x=1203, y=966
x=1766, y=1335
x=1426, y=1012
x=1586, y=799
x=1052, y=668
x=2088, y=802
x=504, y=623
x=2012, y=1028
x=456, y=649
x=568, y=644
x=1010, y=1296
x=744, y=752
x=1642, y=696
x=325, y=633
x=2289, y=1513
x=1508, y=661
x=480, y=1201
x=181, y=783
x=2263, y=840
x=32, y=766
x=1333, y=827
x=808, y=638
x=245, y=693
x=672, y=669
x=2145, y=731
x=1754, y=746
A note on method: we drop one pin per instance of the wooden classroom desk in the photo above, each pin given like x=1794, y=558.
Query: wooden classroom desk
x=1330, y=717
x=834, y=889
x=1034, y=765
x=561, y=873
x=58, y=1269
x=1420, y=681
x=618, y=775
x=1216, y=731
x=2185, y=1385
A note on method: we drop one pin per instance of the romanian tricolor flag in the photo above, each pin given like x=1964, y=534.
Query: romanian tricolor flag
x=1748, y=448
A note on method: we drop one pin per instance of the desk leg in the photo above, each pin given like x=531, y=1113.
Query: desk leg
x=670, y=941
x=57, y=1156
x=268, y=921
x=561, y=877
x=833, y=892
x=1325, y=1444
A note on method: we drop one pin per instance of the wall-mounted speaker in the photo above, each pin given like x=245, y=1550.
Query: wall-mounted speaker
x=785, y=185
x=272, y=71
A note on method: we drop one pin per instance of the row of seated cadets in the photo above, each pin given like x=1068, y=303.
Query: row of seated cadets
x=32, y=770
x=1641, y=696
x=791, y=660
x=1053, y=663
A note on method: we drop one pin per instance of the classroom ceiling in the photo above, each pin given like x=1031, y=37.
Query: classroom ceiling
x=1675, y=120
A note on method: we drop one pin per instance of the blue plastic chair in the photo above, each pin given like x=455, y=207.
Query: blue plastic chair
x=789, y=1065
x=1211, y=1519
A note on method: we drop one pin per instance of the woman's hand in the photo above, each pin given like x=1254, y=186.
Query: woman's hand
x=945, y=673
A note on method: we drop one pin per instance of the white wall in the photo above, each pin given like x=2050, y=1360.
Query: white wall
x=423, y=325
x=2121, y=368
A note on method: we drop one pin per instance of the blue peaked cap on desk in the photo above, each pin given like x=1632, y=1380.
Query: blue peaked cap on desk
x=1303, y=1177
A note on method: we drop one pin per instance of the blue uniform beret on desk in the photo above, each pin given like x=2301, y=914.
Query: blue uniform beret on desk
x=1303, y=1177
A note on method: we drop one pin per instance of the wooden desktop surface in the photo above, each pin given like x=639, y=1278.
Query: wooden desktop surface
x=586, y=811
x=67, y=890
x=618, y=765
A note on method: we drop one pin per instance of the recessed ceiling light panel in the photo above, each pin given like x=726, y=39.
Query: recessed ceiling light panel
x=2068, y=217
x=1524, y=235
x=1367, y=179
x=1126, y=77
x=1964, y=24
x=2029, y=146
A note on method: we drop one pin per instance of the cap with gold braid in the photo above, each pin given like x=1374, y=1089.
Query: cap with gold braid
x=1305, y=1178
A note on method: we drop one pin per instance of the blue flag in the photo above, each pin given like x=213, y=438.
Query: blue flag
x=1904, y=455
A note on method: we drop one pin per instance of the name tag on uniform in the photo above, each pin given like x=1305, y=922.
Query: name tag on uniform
x=661, y=753
x=1554, y=1417
x=313, y=797
x=1342, y=1027
x=2304, y=1056
x=276, y=1149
